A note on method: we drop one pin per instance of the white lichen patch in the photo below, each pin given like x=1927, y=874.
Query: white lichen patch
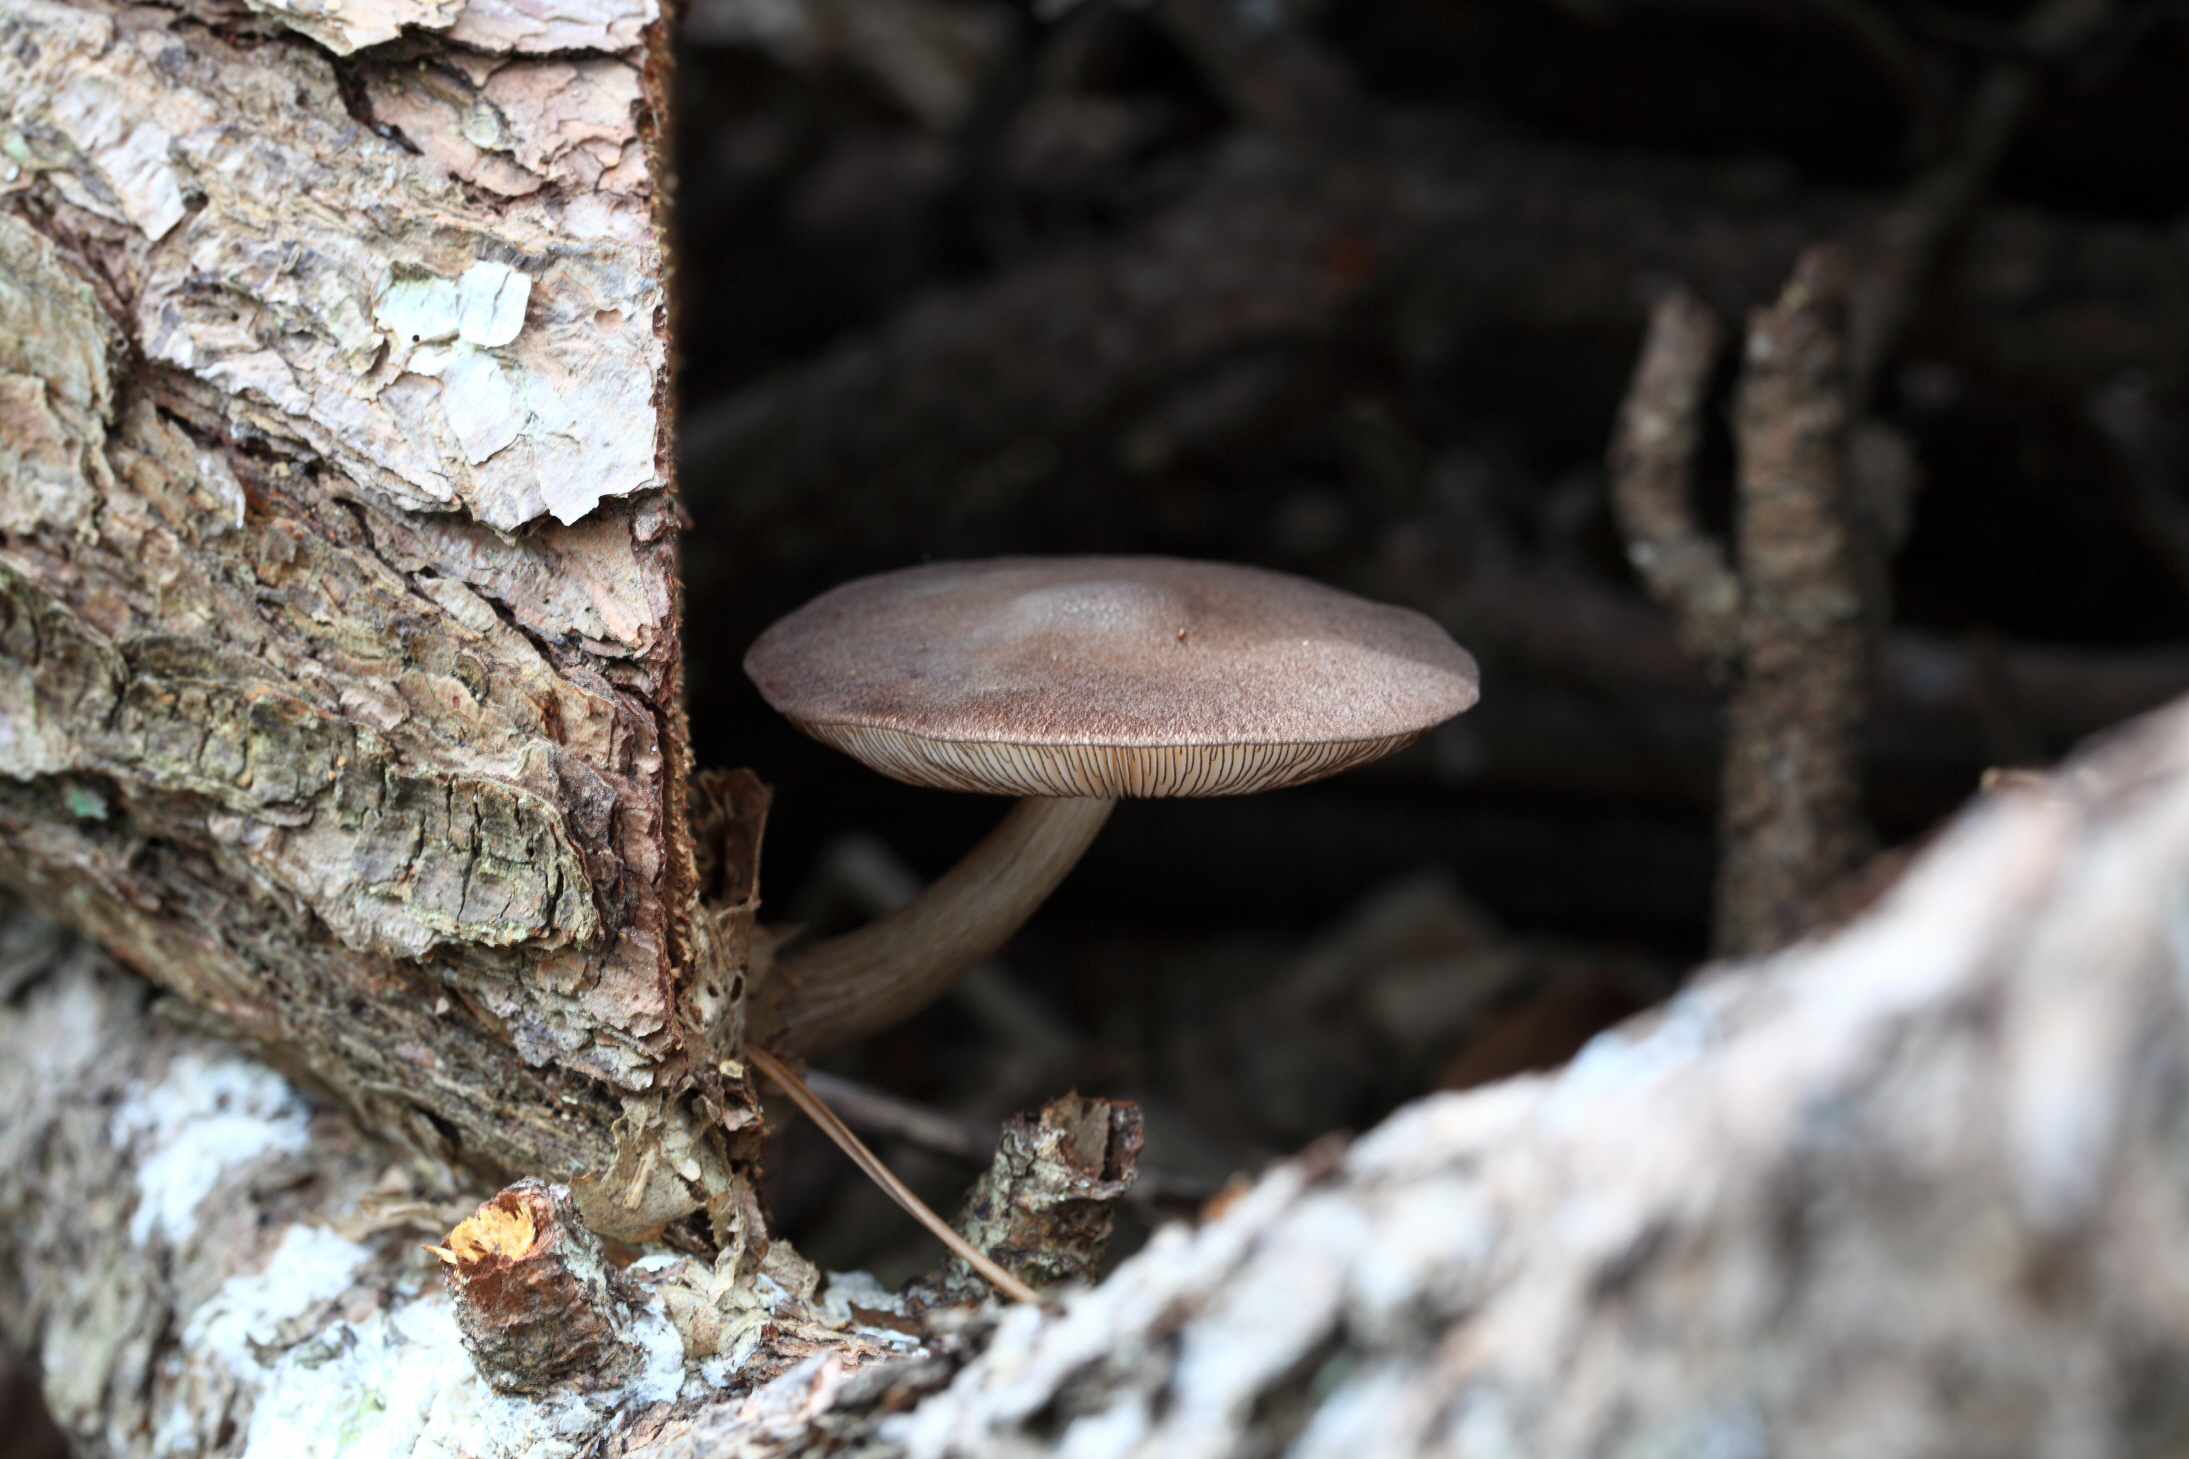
x=541, y=26
x=343, y=26
x=660, y=1376
x=364, y=1390
x=309, y=1265
x=483, y=307
x=446, y=329
x=845, y=1291
x=737, y=1325
x=399, y=1385
x=394, y=1384
x=192, y=1126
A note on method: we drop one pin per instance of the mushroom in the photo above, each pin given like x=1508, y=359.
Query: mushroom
x=1071, y=681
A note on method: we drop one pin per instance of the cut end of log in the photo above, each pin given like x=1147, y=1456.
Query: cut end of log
x=536, y=1300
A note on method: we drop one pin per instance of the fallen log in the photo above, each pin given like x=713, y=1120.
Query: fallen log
x=1919, y=1185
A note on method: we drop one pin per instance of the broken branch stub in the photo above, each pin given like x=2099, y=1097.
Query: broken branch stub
x=536, y=1299
x=1043, y=1208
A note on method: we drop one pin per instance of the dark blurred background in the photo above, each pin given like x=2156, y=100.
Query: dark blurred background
x=1354, y=291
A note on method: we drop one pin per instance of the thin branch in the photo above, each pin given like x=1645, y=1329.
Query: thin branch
x=1801, y=615
x=780, y=1073
x=1790, y=818
x=1652, y=466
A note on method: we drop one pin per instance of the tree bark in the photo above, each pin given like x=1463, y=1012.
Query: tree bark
x=1920, y=1186
x=339, y=685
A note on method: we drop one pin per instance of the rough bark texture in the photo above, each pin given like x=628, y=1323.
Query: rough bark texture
x=1917, y=1188
x=339, y=684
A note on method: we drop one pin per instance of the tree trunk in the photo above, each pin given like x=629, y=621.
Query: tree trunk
x=1921, y=1187
x=338, y=638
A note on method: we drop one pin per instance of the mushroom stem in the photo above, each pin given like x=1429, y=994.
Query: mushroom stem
x=849, y=986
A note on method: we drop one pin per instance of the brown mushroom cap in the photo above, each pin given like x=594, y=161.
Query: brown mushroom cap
x=1108, y=676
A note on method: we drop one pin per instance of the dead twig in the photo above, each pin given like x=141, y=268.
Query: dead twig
x=1820, y=506
x=871, y=1166
x=1799, y=620
x=1652, y=460
x=1790, y=816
